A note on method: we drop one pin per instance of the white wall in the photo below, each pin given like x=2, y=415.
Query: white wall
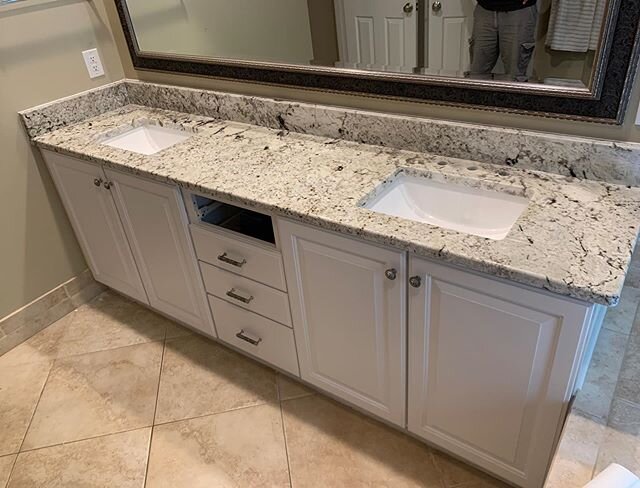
x=273, y=30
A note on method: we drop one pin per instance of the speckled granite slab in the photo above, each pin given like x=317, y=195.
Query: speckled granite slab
x=575, y=238
x=572, y=156
x=75, y=108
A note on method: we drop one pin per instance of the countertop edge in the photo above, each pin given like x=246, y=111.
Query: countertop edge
x=527, y=280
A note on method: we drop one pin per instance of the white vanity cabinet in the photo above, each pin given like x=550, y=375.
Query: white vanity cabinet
x=96, y=222
x=349, y=316
x=134, y=235
x=479, y=366
x=491, y=368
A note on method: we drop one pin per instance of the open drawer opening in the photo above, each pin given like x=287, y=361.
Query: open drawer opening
x=236, y=219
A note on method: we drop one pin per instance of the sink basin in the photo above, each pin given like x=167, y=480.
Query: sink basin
x=476, y=211
x=147, y=139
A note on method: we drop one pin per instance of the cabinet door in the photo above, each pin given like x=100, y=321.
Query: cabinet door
x=349, y=319
x=491, y=367
x=95, y=220
x=156, y=223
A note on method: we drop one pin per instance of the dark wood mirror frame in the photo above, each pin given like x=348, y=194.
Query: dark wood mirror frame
x=605, y=101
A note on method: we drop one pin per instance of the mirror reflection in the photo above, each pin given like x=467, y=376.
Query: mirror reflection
x=553, y=42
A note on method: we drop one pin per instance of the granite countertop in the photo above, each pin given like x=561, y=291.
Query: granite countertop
x=575, y=238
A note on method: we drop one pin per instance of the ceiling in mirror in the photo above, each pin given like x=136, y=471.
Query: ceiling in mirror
x=553, y=42
x=497, y=53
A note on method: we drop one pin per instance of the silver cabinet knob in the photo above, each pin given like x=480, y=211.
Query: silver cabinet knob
x=436, y=6
x=107, y=185
x=408, y=8
x=415, y=281
x=391, y=273
x=97, y=181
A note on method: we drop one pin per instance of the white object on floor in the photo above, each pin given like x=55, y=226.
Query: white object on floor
x=476, y=211
x=614, y=476
x=147, y=139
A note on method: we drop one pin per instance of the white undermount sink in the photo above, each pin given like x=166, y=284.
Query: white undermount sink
x=476, y=211
x=147, y=139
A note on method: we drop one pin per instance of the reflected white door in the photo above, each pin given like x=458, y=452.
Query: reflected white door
x=449, y=26
x=377, y=34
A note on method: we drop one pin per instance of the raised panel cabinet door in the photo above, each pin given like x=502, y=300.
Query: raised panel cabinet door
x=491, y=368
x=349, y=319
x=377, y=34
x=449, y=30
x=155, y=220
x=95, y=219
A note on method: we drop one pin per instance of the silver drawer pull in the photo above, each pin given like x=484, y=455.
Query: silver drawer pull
x=232, y=294
x=253, y=342
x=226, y=259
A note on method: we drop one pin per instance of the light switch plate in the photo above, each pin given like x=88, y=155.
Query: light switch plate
x=93, y=63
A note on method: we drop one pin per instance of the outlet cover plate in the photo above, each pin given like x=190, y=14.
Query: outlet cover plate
x=93, y=63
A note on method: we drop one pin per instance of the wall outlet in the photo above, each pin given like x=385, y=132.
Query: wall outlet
x=93, y=63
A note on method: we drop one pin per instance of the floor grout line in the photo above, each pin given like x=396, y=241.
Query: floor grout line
x=313, y=393
x=35, y=409
x=90, y=438
x=159, y=424
x=13, y=465
x=59, y=358
x=155, y=408
x=286, y=447
x=33, y=414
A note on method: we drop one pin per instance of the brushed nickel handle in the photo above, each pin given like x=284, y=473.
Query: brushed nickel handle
x=415, y=281
x=246, y=338
x=408, y=8
x=436, y=6
x=232, y=294
x=226, y=259
x=107, y=185
x=391, y=274
x=97, y=181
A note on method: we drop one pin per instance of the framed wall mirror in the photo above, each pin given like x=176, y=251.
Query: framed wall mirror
x=558, y=58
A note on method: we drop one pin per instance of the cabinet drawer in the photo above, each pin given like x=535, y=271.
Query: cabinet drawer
x=246, y=293
x=240, y=257
x=263, y=338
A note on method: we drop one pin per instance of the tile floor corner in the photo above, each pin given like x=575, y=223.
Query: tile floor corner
x=114, y=395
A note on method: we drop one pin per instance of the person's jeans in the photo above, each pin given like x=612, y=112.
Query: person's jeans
x=511, y=35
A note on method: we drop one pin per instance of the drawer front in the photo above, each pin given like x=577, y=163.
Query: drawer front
x=256, y=335
x=240, y=257
x=246, y=293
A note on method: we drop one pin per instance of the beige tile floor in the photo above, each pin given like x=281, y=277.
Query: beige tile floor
x=113, y=395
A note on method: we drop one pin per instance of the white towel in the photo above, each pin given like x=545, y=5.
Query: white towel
x=615, y=476
x=575, y=25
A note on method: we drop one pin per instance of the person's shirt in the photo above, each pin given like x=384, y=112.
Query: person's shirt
x=505, y=5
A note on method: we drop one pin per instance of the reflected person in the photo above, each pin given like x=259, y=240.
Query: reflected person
x=504, y=28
